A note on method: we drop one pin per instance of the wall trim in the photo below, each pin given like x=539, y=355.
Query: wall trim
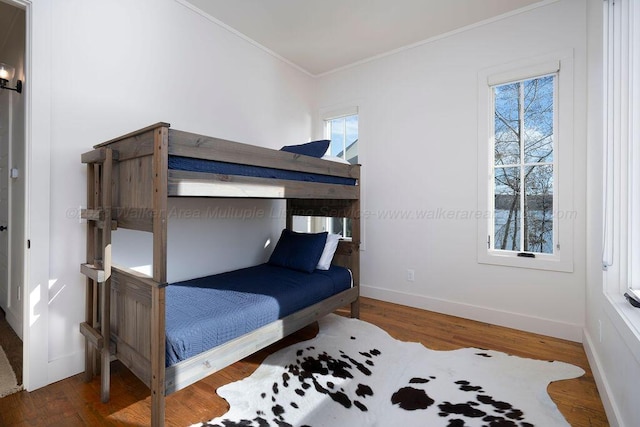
x=604, y=389
x=37, y=93
x=445, y=35
x=255, y=43
x=242, y=36
x=537, y=325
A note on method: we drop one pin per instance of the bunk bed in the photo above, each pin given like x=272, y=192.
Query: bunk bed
x=129, y=180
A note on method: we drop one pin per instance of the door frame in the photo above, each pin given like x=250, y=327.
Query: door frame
x=37, y=92
x=14, y=206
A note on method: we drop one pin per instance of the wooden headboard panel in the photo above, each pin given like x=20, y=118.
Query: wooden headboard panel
x=348, y=253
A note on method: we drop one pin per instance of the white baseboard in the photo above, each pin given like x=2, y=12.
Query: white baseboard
x=65, y=367
x=610, y=408
x=567, y=331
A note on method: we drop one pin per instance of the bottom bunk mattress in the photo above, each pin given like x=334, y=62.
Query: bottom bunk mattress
x=206, y=312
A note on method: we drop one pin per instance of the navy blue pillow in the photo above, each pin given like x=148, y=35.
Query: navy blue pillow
x=313, y=148
x=298, y=251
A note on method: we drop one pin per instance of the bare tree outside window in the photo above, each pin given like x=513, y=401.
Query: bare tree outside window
x=523, y=169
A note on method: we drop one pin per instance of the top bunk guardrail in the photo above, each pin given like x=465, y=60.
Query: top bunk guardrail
x=203, y=166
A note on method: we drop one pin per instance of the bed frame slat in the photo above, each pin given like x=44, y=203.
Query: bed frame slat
x=205, y=147
x=195, y=368
x=201, y=184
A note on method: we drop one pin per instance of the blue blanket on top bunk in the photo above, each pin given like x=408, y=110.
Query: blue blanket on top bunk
x=206, y=312
x=224, y=168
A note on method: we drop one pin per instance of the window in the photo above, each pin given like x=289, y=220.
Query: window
x=632, y=120
x=621, y=160
x=343, y=132
x=341, y=127
x=525, y=163
x=523, y=166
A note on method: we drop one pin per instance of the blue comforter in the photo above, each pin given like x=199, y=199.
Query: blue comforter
x=206, y=312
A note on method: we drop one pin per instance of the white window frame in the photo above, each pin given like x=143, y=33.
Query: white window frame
x=633, y=122
x=564, y=213
x=621, y=158
x=327, y=132
x=621, y=154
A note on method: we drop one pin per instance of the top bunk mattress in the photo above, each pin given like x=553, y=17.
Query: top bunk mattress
x=206, y=312
x=223, y=168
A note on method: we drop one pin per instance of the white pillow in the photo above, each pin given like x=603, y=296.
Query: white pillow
x=335, y=159
x=329, y=249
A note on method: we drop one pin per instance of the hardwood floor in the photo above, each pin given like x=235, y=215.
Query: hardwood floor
x=72, y=402
x=12, y=346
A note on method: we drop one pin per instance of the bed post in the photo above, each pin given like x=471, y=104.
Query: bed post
x=90, y=318
x=98, y=266
x=354, y=214
x=160, y=162
x=105, y=296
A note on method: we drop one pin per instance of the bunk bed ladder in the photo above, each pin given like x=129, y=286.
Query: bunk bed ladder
x=99, y=214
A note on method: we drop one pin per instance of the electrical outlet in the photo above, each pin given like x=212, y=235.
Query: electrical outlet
x=411, y=275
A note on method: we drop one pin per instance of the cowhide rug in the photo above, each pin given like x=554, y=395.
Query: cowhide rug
x=354, y=374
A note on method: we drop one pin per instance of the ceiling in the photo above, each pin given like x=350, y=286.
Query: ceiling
x=320, y=36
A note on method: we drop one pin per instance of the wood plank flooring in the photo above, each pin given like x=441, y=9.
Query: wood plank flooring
x=72, y=402
x=12, y=346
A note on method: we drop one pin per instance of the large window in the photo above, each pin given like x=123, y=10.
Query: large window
x=621, y=160
x=525, y=164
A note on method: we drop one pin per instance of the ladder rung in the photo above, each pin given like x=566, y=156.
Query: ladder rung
x=92, y=214
x=92, y=272
x=114, y=224
x=92, y=335
x=98, y=216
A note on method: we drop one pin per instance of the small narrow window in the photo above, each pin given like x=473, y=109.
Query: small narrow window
x=342, y=129
x=525, y=163
x=343, y=133
x=523, y=166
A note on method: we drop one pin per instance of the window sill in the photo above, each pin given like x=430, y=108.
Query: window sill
x=626, y=320
x=550, y=263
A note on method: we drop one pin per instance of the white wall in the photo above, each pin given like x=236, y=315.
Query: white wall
x=121, y=65
x=13, y=104
x=418, y=136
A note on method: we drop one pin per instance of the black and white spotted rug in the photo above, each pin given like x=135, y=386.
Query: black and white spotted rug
x=354, y=374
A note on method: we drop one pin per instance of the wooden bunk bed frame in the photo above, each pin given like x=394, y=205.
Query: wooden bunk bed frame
x=128, y=184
